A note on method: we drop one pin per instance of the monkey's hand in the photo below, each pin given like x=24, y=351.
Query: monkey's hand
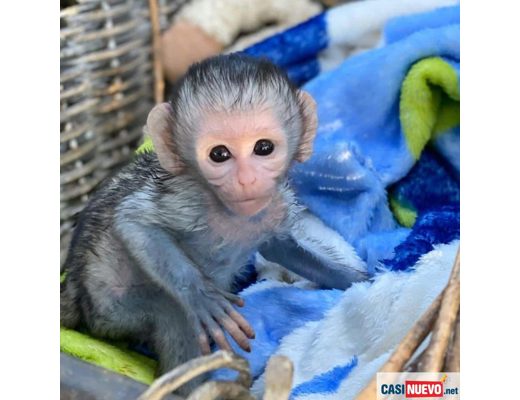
x=212, y=311
x=209, y=308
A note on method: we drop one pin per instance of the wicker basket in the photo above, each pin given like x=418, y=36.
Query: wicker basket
x=106, y=90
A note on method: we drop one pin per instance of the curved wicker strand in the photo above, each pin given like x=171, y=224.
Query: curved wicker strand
x=452, y=362
x=435, y=353
x=278, y=378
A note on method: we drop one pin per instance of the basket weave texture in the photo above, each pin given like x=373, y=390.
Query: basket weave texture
x=106, y=91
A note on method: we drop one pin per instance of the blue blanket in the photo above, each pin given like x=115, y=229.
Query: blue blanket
x=384, y=174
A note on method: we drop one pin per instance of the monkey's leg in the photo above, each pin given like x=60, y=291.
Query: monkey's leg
x=125, y=315
x=147, y=314
x=174, y=338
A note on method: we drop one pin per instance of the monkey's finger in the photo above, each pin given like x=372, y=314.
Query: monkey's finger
x=235, y=332
x=202, y=338
x=241, y=322
x=204, y=343
x=233, y=298
x=216, y=333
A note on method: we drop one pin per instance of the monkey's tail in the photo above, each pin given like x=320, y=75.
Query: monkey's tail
x=69, y=310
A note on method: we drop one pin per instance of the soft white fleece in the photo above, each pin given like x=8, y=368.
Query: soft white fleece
x=368, y=323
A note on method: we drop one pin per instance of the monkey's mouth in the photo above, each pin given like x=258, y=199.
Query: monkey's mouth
x=250, y=206
x=252, y=200
x=249, y=199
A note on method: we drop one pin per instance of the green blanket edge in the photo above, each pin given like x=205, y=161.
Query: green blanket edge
x=429, y=106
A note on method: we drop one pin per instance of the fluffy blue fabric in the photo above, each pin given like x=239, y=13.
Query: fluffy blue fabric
x=438, y=226
x=325, y=383
x=360, y=148
x=432, y=183
x=296, y=49
x=432, y=189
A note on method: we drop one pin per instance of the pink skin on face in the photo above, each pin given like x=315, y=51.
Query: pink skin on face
x=246, y=182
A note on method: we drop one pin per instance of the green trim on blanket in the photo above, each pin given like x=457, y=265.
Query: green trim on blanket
x=106, y=355
x=429, y=103
x=405, y=214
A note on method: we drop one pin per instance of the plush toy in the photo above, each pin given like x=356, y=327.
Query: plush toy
x=203, y=28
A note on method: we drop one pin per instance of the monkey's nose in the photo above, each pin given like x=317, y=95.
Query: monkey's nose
x=246, y=176
x=247, y=181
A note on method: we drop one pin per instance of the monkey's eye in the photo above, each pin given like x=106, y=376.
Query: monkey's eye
x=219, y=154
x=263, y=147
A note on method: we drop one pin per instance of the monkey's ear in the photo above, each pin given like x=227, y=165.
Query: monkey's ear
x=310, y=123
x=160, y=128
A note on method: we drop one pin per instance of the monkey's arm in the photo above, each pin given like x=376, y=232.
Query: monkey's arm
x=165, y=263
x=317, y=253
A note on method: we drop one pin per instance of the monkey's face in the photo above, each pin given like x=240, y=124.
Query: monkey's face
x=242, y=156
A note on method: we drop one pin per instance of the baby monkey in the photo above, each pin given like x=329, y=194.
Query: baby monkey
x=156, y=250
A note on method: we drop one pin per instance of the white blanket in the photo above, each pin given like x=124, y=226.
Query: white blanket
x=336, y=357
